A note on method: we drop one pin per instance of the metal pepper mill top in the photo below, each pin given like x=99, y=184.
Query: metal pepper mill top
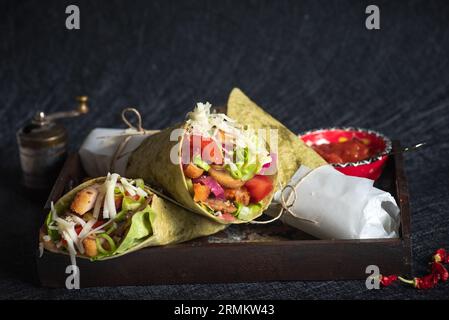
x=43, y=146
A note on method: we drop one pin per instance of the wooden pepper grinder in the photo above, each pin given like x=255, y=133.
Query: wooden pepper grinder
x=43, y=146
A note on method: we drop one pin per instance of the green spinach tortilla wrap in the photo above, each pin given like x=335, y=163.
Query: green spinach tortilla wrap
x=211, y=165
x=292, y=151
x=111, y=216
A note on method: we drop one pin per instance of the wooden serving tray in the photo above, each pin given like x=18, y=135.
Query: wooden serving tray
x=241, y=253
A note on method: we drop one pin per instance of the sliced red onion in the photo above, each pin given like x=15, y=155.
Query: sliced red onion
x=270, y=168
x=213, y=185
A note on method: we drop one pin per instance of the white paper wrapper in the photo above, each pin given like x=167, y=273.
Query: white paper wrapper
x=98, y=149
x=343, y=207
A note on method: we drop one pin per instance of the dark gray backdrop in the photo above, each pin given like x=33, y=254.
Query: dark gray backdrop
x=309, y=63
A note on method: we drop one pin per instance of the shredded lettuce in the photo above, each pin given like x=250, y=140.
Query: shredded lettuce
x=129, y=204
x=247, y=213
x=119, y=189
x=140, y=184
x=246, y=165
x=207, y=208
x=54, y=234
x=189, y=185
x=200, y=163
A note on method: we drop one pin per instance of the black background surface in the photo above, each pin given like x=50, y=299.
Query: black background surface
x=309, y=63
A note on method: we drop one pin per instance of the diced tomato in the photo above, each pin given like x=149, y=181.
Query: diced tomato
x=259, y=187
x=134, y=197
x=227, y=217
x=207, y=148
x=118, y=199
x=98, y=223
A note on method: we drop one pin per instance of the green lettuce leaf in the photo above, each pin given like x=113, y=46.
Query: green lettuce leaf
x=248, y=213
x=129, y=204
x=140, y=184
x=139, y=230
x=200, y=163
x=245, y=166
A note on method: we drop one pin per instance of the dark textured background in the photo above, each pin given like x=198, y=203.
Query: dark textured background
x=309, y=63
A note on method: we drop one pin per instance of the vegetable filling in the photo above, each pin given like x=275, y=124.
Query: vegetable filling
x=102, y=219
x=228, y=167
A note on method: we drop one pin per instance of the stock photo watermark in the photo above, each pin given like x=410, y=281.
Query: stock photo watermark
x=72, y=22
x=73, y=279
x=373, y=280
x=372, y=22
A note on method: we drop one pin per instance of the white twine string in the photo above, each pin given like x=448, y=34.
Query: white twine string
x=138, y=130
x=285, y=206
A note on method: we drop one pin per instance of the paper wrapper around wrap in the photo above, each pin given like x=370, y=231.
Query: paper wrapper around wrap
x=170, y=224
x=98, y=149
x=342, y=206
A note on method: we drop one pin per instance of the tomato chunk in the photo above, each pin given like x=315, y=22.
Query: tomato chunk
x=118, y=199
x=205, y=147
x=135, y=197
x=259, y=187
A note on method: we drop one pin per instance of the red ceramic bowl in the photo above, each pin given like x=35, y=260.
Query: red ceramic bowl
x=370, y=168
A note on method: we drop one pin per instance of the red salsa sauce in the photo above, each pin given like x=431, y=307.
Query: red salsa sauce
x=349, y=150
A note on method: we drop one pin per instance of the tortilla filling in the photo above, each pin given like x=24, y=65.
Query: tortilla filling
x=228, y=168
x=102, y=219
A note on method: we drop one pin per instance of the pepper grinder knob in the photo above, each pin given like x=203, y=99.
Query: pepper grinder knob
x=82, y=106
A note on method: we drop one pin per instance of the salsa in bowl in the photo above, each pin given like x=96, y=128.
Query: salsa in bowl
x=352, y=151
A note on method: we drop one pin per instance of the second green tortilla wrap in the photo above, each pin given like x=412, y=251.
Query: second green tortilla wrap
x=159, y=223
x=292, y=151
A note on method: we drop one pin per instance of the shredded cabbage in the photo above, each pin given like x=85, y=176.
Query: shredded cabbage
x=133, y=190
x=109, y=210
